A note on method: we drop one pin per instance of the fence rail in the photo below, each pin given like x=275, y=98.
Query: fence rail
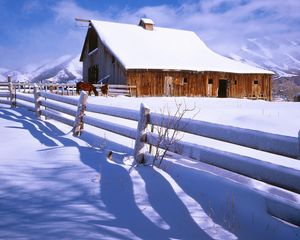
x=4, y=101
x=63, y=99
x=268, y=142
x=26, y=98
x=112, y=127
x=70, y=89
x=5, y=94
x=113, y=111
x=64, y=109
x=59, y=108
x=55, y=116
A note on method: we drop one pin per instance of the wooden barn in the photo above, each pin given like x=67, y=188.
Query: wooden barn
x=166, y=62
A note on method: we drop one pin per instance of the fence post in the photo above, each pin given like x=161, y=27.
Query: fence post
x=140, y=145
x=37, y=101
x=11, y=92
x=150, y=145
x=78, y=124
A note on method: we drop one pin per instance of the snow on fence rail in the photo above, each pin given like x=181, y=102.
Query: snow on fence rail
x=4, y=93
x=7, y=92
x=56, y=107
x=24, y=100
x=268, y=142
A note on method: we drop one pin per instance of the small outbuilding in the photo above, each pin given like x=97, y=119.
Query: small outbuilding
x=166, y=62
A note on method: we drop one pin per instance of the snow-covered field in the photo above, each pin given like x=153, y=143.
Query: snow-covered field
x=56, y=186
x=274, y=117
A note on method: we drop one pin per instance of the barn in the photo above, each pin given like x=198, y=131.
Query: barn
x=166, y=62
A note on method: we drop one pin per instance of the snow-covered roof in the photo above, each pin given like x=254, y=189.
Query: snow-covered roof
x=164, y=48
x=147, y=21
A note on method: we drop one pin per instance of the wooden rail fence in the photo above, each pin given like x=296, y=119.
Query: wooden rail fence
x=70, y=89
x=72, y=112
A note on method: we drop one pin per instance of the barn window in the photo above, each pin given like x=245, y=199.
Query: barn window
x=184, y=80
x=210, y=81
x=113, y=60
x=235, y=82
x=255, y=81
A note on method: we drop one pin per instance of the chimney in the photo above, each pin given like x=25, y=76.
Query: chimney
x=146, y=23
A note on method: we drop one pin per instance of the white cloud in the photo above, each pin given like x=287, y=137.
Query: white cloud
x=31, y=6
x=225, y=24
x=222, y=24
x=68, y=10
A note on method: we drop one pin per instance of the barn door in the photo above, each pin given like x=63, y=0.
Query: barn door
x=222, y=91
x=256, y=89
x=210, y=88
x=168, y=86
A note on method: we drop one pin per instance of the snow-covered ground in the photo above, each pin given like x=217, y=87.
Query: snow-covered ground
x=273, y=117
x=56, y=186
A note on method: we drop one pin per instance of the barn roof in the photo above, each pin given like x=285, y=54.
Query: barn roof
x=164, y=48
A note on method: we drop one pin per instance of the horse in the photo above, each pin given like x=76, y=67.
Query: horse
x=86, y=87
x=104, y=89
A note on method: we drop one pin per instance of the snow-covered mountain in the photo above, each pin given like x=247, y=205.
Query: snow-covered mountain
x=281, y=56
x=3, y=74
x=63, y=69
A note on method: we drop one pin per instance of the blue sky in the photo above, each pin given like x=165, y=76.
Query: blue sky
x=35, y=31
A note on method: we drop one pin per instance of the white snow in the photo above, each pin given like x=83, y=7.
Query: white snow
x=3, y=79
x=52, y=64
x=3, y=74
x=164, y=48
x=274, y=117
x=73, y=68
x=63, y=69
x=56, y=186
x=269, y=54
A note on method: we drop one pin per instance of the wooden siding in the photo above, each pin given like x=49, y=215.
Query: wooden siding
x=183, y=83
x=107, y=64
x=173, y=83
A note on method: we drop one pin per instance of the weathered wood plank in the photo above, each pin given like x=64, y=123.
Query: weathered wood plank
x=185, y=83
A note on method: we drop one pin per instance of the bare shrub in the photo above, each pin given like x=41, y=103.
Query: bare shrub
x=168, y=134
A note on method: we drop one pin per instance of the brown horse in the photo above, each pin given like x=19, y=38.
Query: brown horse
x=104, y=89
x=86, y=87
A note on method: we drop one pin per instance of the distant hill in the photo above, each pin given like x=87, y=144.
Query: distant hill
x=281, y=56
x=62, y=70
